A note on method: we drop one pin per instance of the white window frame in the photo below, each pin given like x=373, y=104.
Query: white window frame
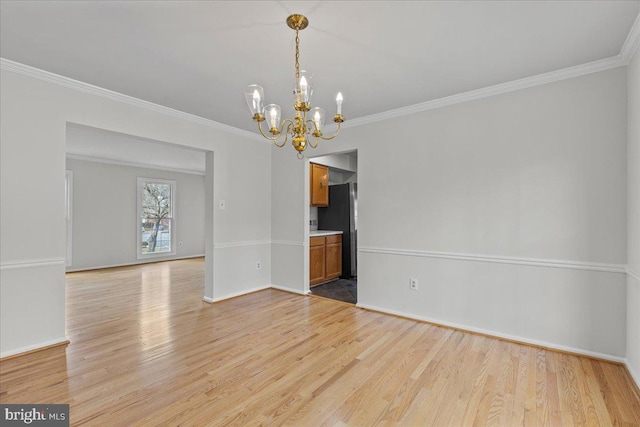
x=141, y=182
x=68, y=188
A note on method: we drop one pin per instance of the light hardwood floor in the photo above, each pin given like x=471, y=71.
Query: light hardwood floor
x=145, y=350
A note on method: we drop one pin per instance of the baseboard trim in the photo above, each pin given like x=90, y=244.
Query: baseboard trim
x=235, y=295
x=498, y=335
x=33, y=349
x=139, y=262
x=290, y=290
x=635, y=378
x=549, y=263
x=633, y=274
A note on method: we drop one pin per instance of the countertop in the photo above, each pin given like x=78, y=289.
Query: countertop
x=316, y=233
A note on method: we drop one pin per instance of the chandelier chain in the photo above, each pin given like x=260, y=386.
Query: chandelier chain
x=297, y=56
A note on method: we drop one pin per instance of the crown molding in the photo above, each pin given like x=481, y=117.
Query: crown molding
x=132, y=164
x=47, y=76
x=632, y=42
x=527, y=82
x=626, y=53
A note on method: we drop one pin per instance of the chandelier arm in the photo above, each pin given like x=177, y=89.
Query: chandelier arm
x=311, y=144
x=312, y=124
x=286, y=135
x=274, y=138
x=328, y=138
x=284, y=122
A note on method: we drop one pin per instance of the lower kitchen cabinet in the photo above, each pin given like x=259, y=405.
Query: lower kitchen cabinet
x=333, y=255
x=325, y=258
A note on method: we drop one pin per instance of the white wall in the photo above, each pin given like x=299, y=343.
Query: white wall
x=290, y=224
x=35, y=113
x=633, y=217
x=510, y=211
x=105, y=214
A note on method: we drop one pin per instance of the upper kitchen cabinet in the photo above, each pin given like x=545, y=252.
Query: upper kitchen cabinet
x=319, y=185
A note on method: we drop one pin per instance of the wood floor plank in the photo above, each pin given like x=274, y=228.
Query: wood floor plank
x=146, y=351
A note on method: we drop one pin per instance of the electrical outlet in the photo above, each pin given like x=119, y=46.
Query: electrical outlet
x=258, y=265
x=413, y=283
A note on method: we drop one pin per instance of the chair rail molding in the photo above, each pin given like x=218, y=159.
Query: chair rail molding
x=549, y=263
x=32, y=263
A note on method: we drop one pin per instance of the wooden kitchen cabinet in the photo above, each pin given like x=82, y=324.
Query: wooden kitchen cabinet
x=333, y=256
x=317, y=260
x=325, y=258
x=319, y=175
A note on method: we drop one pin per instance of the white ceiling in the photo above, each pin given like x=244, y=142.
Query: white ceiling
x=197, y=56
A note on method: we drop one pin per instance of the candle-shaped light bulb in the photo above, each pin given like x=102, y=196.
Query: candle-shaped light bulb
x=272, y=113
x=303, y=89
x=339, y=103
x=317, y=115
x=254, y=95
x=273, y=118
x=256, y=100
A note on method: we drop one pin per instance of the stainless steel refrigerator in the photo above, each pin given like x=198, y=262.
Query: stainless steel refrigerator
x=342, y=215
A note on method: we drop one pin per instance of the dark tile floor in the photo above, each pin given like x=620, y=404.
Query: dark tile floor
x=340, y=289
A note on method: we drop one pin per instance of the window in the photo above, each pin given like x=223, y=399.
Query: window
x=156, y=213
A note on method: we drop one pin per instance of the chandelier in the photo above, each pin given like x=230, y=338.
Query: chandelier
x=299, y=129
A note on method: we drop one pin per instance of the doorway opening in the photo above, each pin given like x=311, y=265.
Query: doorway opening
x=335, y=224
x=104, y=198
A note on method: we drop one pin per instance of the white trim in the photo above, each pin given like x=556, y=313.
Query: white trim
x=515, y=338
x=286, y=289
x=633, y=274
x=33, y=263
x=28, y=348
x=240, y=244
x=29, y=71
x=207, y=300
x=634, y=374
x=131, y=164
x=139, y=262
x=527, y=82
x=287, y=243
x=632, y=42
x=549, y=263
x=69, y=218
x=236, y=294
